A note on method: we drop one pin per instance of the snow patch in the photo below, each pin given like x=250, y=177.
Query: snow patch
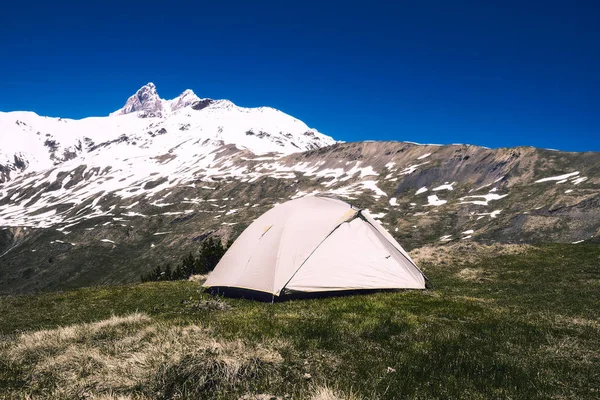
x=486, y=199
x=412, y=168
x=558, y=178
x=377, y=215
x=372, y=185
x=433, y=200
x=445, y=186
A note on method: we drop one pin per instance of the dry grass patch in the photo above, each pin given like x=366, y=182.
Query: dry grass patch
x=46, y=342
x=569, y=348
x=200, y=278
x=465, y=253
x=116, y=397
x=537, y=223
x=475, y=275
x=207, y=304
x=133, y=357
x=579, y=321
x=327, y=393
x=316, y=393
x=260, y=397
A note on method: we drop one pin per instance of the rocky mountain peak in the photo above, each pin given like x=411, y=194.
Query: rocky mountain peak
x=187, y=98
x=146, y=102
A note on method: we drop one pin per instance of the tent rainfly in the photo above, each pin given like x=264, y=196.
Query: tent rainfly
x=314, y=244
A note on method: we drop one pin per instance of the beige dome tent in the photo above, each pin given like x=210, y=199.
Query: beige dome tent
x=314, y=244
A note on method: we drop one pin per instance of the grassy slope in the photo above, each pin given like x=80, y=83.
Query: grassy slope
x=513, y=326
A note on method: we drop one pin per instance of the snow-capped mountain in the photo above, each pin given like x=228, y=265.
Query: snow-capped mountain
x=147, y=103
x=145, y=127
x=103, y=199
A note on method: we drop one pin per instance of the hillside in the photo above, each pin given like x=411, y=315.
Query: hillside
x=521, y=325
x=111, y=197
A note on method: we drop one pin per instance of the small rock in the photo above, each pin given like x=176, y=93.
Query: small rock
x=390, y=370
x=307, y=376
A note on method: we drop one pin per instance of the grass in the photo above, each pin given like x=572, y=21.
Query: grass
x=519, y=326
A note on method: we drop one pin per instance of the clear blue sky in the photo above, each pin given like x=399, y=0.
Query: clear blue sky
x=493, y=73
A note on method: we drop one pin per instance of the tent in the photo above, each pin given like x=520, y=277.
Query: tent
x=310, y=245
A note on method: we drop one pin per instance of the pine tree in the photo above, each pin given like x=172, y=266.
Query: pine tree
x=155, y=274
x=167, y=275
x=210, y=253
x=187, y=266
x=179, y=273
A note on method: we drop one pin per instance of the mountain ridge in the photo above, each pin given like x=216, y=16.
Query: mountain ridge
x=147, y=103
x=32, y=142
x=123, y=202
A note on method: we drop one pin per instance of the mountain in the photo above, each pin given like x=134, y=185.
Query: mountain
x=112, y=197
x=147, y=126
x=146, y=103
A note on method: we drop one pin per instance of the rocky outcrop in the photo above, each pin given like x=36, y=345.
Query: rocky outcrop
x=187, y=98
x=145, y=102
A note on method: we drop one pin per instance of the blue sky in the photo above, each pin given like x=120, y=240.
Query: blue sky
x=496, y=74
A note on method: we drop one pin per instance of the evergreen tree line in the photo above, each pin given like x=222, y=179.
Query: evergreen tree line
x=211, y=251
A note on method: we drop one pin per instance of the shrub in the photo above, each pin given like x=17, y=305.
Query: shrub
x=210, y=253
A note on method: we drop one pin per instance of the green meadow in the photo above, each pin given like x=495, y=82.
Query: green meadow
x=512, y=326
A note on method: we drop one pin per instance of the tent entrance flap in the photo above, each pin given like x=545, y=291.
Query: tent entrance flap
x=346, y=218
